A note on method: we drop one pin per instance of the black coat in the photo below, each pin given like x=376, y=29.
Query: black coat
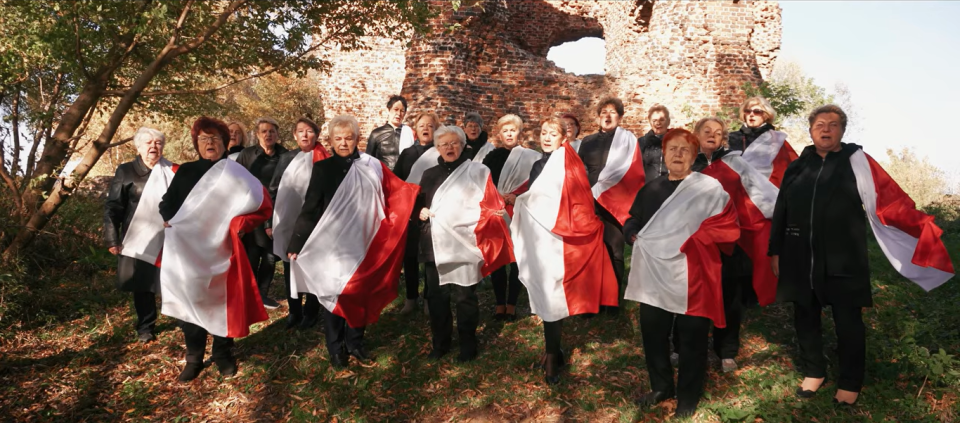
x=282, y=164
x=384, y=144
x=495, y=161
x=820, y=232
x=263, y=167
x=537, y=168
x=646, y=203
x=701, y=161
x=431, y=181
x=122, y=199
x=473, y=146
x=407, y=158
x=651, y=148
x=327, y=176
x=742, y=138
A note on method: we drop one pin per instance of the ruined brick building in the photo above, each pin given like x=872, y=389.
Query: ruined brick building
x=492, y=58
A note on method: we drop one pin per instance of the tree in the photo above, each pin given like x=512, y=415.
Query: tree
x=921, y=180
x=62, y=62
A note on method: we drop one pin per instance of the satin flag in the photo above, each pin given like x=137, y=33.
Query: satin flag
x=770, y=154
x=676, y=256
x=621, y=177
x=554, y=223
x=406, y=138
x=351, y=261
x=515, y=173
x=427, y=160
x=754, y=197
x=206, y=277
x=483, y=151
x=469, y=240
x=290, y=197
x=907, y=236
x=144, y=238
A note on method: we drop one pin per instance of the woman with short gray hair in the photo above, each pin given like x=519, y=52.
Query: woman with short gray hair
x=477, y=145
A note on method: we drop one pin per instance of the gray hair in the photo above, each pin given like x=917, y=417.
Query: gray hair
x=450, y=129
x=145, y=134
x=265, y=119
x=473, y=117
x=344, y=121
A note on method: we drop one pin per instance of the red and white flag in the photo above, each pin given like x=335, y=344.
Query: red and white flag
x=754, y=197
x=485, y=149
x=406, y=138
x=770, y=154
x=144, y=238
x=206, y=277
x=555, y=221
x=469, y=240
x=351, y=261
x=907, y=236
x=621, y=177
x=515, y=173
x=291, y=194
x=676, y=256
x=427, y=160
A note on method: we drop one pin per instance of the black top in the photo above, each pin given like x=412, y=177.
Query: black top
x=183, y=182
x=384, y=144
x=651, y=148
x=701, y=162
x=282, y=164
x=235, y=149
x=122, y=199
x=495, y=161
x=538, y=167
x=408, y=157
x=259, y=163
x=431, y=181
x=473, y=146
x=742, y=138
x=327, y=176
x=593, y=152
x=647, y=202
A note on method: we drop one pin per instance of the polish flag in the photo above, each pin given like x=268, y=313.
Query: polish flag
x=291, y=194
x=485, y=149
x=427, y=160
x=351, y=261
x=770, y=154
x=621, y=177
x=676, y=256
x=144, y=238
x=407, y=139
x=206, y=277
x=907, y=236
x=515, y=173
x=553, y=221
x=754, y=197
x=469, y=240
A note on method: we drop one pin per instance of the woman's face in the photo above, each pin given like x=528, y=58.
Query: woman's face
x=572, y=128
x=396, y=113
x=659, y=123
x=754, y=115
x=305, y=137
x=550, y=138
x=826, y=132
x=609, y=118
x=509, y=135
x=679, y=156
x=425, y=130
x=711, y=137
x=344, y=141
x=472, y=130
x=267, y=134
x=151, y=151
x=449, y=147
x=236, y=135
x=210, y=145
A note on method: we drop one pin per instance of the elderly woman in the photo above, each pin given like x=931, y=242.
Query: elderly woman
x=659, y=118
x=134, y=233
x=206, y=280
x=763, y=147
x=477, y=145
x=287, y=191
x=558, y=240
x=262, y=160
x=386, y=142
x=571, y=127
x=462, y=240
x=819, y=248
x=677, y=224
x=238, y=139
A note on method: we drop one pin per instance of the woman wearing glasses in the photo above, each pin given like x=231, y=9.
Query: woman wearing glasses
x=762, y=145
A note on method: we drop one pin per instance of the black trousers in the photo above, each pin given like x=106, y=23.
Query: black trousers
x=196, y=340
x=506, y=290
x=655, y=326
x=145, y=304
x=340, y=336
x=726, y=341
x=295, y=299
x=613, y=240
x=263, y=263
x=552, y=333
x=851, y=342
x=441, y=315
x=411, y=277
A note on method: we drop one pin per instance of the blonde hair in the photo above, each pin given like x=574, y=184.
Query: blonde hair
x=768, y=111
x=556, y=123
x=433, y=117
x=508, y=120
x=701, y=122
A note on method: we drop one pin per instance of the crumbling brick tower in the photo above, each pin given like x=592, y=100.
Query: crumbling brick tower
x=492, y=58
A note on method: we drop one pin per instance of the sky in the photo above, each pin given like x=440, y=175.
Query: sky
x=900, y=61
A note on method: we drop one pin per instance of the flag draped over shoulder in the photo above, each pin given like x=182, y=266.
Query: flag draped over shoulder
x=290, y=197
x=621, y=177
x=515, y=173
x=144, y=238
x=770, y=154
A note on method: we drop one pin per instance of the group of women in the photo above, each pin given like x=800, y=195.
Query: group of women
x=707, y=213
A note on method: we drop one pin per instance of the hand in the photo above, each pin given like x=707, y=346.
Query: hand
x=292, y=256
x=633, y=239
x=775, y=265
x=500, y=212
x=510, y=199
x=167, y=225
x=270, y=232
x=116, y=249
x=426, y=214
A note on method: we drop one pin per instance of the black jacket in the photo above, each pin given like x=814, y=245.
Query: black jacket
x=473, y=146
x=646, y=203
x=407, y=158
x=274, y=185
x=327, y=176
x=538, y=167
x=819, y=231
x=742, y=138
x=235, y=149
x=122, y=199
x=701, y=162
x=182, y=183
x=384, y=144
x=651, y=147
x=495, y=161
x=263, y=167
x=431, y=181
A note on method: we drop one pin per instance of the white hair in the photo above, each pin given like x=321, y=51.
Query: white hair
x=145, y=135
x=344, y=121
x=450, y=129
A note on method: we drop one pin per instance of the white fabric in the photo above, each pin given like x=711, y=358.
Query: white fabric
x=290, y=196
x=763, y=150
x=658, y=270
x=538, y=250
x=456, y=209
x=482, y=152
x=897, y=245
x=762, y=192
x=197, y=246
x=619, y=160
x=576, y=145
x=516, y=171
x=342, y=237
x=234, y=156
x=406, y=137
x=144, y=237
x=426, y=161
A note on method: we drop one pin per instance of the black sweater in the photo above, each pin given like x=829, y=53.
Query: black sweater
x=183, y=182
x=646, y=204
x=327, y=176
x=407, y=158
x=495, y=161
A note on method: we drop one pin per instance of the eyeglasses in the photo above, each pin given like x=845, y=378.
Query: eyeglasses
x=447, y=145
x=757, y=112
x=208, y=139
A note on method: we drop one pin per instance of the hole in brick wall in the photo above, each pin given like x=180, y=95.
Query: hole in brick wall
x=585, y=56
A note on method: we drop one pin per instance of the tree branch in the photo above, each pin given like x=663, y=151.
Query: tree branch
x=12, y=184
x=213, y=28
x=76, y=33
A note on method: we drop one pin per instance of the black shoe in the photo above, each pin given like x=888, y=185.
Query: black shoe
x=309, y=322
x=340, y=361
x=190, y=372
x=436, y=354
x=146, y=337
x=610, y=311
x=466, y=356
x=269, y=303
x=686, y=409
x=361, y=355
x=227, y=366
x=294, y=321
x=552, y=369
x=653, y=398
x=805, y=394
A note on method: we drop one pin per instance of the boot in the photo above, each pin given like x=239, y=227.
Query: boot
x=408, y=306
x=552, y=370
x=190, y=372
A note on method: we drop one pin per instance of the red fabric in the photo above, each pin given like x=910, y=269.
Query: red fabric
x=754, y=230
x=618, y=198
x=704, y=290
x=319, y=153
x=588, y=278
x=780, y=163
x=493, y=236
x=174, y=167
x=374, y=284
x=896, y=209
x=244, y=306
x=523, y=188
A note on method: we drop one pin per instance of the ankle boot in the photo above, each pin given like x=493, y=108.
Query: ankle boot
x=552, y=370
